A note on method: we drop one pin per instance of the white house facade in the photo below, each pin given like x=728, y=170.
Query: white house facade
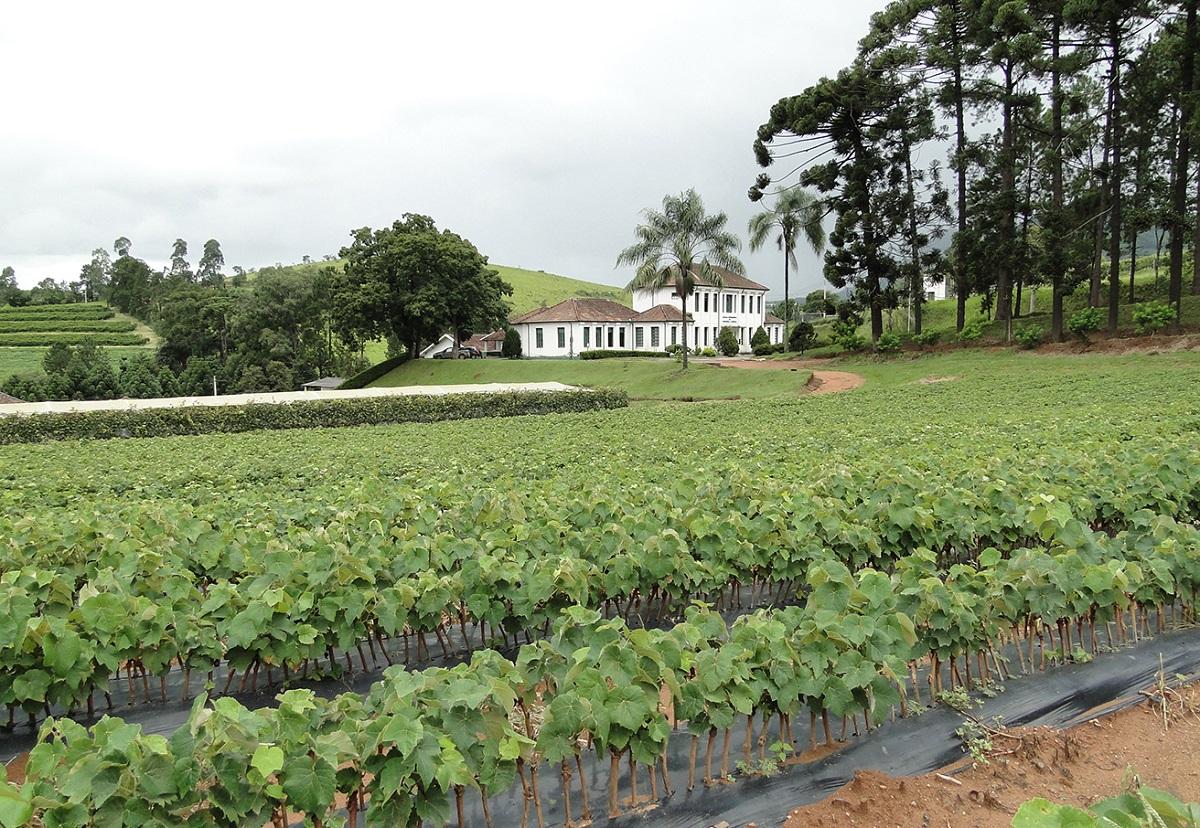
x=739, y=303
x=935, y=290
x=654, y=323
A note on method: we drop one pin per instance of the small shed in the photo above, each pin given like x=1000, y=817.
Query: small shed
x=323, y=384
x=8, y=399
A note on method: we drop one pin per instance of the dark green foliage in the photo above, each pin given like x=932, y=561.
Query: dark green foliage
x=364, y=378
x=414, y=282
x=42, y=325
x=1152, y=317
x=802, y=337
x=165, y=422
x=83, y=372
x=1084, y=322
x=972, y=331
x=33, y=340
x=727, y=342
x=927, y=338
x=601, y=353
x=760, y=338
x=1029, y=336
x=888, y=343
x=82, y=311
x=767, y=350
x=512, y=344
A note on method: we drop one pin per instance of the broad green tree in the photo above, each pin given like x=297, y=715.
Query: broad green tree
x=796, y=213
x=678, y=245
x=414, y=282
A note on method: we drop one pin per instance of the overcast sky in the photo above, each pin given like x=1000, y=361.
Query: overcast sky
x=538, y=130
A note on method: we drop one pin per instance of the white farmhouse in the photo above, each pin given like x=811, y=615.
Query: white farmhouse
x=654, y=323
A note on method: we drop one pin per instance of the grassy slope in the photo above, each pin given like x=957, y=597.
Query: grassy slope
x=643, y=378
x=941, y=315
x=531, y=289
x=910, y=368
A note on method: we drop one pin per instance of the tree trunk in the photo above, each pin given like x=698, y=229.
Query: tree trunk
x=1057, y=259
x=960, y=271
x=787, y=307
x=917, y=285
x=1004, y=275
x=1179, y=196
x=1115, y=180
x=683, y=300
x=1102, y=217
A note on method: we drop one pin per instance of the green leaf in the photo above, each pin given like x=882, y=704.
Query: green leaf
x=309, y=783
x=16, y=808
x=1040, y=813
x=267, y=759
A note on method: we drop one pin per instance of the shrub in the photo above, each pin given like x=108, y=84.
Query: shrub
x=802, y=337
x=852, y=342
x=306, y=413
x=511, y=349
x=708, y=352
x=364, y=378
x=55, y=325
x=1084, y=322
x=760, y=338
x=603, y=353
x=33, y=340
x=1152, y=317
x=928, y=338
x=727, y=342
x=845, y=334
x=1029, y=336
x=888, y=343
x=972, y=331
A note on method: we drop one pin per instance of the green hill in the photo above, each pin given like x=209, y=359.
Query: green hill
x=531, y=288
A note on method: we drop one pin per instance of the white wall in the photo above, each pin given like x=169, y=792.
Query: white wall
x=747, y=312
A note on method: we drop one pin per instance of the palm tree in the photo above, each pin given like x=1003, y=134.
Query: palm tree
x=796, y=212
x=681, y=244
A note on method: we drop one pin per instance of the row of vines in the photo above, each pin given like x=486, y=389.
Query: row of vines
x=410, y=750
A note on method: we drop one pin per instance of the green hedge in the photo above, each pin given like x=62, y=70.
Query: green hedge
x=88, y=310
x=65, y=325
x=606, y=354
x=166, y=422
x=36, y=340
x=364, y=378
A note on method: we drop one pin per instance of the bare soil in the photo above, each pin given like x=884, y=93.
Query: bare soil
x=1080, y=766
x=821, y=382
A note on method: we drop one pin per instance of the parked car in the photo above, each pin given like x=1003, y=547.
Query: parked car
x=463, y=353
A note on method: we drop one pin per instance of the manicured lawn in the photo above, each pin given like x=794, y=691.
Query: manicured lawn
x=973, y=363
x=643, y=378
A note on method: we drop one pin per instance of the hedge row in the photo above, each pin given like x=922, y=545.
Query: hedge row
x=36, y=340
x=607, y=354
x=166, y=422
x=89, y=310
x=364, y=378
x=55, y=324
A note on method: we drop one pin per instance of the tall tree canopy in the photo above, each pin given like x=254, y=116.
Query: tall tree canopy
x=412, y=282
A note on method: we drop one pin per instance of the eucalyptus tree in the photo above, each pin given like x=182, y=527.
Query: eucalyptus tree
x=848, y=119
x=208, y=271
x=796, y=213
x=682, y=243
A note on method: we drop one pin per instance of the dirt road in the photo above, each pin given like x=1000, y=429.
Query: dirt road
x=822, y=382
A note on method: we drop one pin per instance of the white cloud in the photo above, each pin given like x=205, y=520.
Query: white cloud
x=537, y=129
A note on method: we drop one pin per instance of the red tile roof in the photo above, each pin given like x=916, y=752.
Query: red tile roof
x=731, y=280
x=6, y=399
x=578, y=310
x=772, y=319
x=495, y=336
x=660, y=313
